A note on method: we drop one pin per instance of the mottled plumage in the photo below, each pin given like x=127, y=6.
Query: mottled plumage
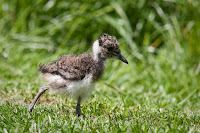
x=73, y=67
x=74, y=75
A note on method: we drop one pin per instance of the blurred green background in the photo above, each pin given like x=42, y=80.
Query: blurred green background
x=159, y=38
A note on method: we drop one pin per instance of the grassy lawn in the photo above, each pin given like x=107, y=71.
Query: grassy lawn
x=158, y=91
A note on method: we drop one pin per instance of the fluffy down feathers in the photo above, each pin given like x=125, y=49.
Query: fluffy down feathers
x=73, y=67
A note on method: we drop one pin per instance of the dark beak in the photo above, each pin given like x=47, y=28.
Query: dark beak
x=120, y=57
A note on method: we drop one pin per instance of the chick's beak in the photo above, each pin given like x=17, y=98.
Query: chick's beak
x=120, y=57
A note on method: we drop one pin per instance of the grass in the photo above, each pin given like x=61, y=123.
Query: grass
x=158, y=91
x=111, y=119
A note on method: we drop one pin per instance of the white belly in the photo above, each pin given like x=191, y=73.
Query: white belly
x=75, y=89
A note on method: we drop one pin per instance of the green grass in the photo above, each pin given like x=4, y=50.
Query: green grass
x=158, y=91
x=100, y=117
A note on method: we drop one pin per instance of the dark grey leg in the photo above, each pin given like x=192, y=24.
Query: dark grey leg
x=41, y=91
x=78, y=108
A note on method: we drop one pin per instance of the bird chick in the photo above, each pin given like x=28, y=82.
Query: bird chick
x=75, y=75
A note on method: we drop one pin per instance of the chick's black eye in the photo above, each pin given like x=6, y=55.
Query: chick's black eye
x=110, y=48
